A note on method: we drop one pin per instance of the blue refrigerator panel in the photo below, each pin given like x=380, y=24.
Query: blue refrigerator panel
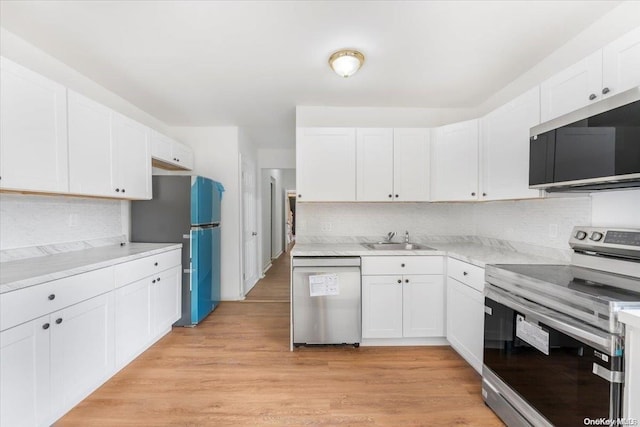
x=205, y=272
x=205, y=201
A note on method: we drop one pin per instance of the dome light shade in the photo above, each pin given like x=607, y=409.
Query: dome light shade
x=346, y=62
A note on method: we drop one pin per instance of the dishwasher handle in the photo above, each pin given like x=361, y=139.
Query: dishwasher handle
x=325, y=262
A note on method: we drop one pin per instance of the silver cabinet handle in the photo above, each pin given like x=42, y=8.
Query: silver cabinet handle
x=611, y=376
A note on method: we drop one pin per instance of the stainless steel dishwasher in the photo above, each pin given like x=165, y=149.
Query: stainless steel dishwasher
x=326, y=300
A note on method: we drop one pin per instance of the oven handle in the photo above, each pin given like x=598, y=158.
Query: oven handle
x=603, y=342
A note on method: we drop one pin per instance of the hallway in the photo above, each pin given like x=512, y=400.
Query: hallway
x=274, y=286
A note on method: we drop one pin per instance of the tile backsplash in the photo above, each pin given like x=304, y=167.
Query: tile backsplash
x=27, y=221
x=540, y=222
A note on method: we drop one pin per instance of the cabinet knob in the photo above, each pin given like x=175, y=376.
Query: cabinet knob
x=123, y=190
x=406, y=280
x=58, y=320
x=464, y=273
x=178, y=160
x=484, y=194
x=473, y=194
x=605, y=90
x=155, y=263
x=153, y=281
x=299, y=196
x=401, y=265
x=45, y=326
x=52, y=297
x=158, y=279
x=117, y=190
x=390, y=196
x=592, y=97
x=399, y=280
x=397, y=196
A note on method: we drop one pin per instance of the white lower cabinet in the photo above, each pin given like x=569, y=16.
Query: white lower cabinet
x=51, y=362
x=465, y=311
x=400, y=305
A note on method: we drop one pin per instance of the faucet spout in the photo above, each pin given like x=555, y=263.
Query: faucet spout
x=390, y=235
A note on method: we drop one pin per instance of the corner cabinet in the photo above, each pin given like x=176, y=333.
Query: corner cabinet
x=402, y=297
x=454, y=162
x=33, y=131
x=169, y=154
x=504, y=154
x=326, y=164
x=465, y=311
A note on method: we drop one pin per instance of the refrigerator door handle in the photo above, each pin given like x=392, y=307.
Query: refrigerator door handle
x=186, y=236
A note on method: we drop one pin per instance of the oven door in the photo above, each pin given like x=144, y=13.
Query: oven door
x=567, y=375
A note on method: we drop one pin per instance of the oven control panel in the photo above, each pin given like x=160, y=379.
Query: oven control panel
x=606, y=240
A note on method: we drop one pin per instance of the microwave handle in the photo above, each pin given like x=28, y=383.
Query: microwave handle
x=611, y=376
x=604, y=342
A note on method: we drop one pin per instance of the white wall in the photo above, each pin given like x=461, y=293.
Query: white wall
x=308, y=116
x=47, y=220
x=276, y=158
x=216, y=155
x=616, y=208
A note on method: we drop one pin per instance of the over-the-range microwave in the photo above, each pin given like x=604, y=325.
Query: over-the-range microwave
x=596, y=152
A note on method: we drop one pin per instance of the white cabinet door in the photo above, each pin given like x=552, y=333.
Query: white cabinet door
x=621, y=64
x=24, y=374
x=465, y=321
x=374, y=165
x=132, y=159
x=82, y=350
x=381, y=306
x=423, y=306
x=33, y=131
x=454, y=162
x=326, y=164
x=133, y=327
x=505, y=148
x=166, y=299
x=161, y=146
x=572, y=88
x=411, y=165
x=90, y=151
x=183, y=155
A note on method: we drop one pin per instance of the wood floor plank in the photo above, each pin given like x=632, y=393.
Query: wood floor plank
x=235, y=369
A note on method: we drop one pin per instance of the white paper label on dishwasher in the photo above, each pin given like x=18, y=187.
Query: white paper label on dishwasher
x=533, y=334
x=323, y=284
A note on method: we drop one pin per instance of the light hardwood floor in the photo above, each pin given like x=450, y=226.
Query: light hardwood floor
x=235, y=369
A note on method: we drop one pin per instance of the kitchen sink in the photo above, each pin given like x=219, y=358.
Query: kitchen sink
x=397, y=246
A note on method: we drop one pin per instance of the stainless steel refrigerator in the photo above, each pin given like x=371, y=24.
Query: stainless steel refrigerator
x=186, y=209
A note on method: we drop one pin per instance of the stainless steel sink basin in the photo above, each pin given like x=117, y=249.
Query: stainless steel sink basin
x=397, y=246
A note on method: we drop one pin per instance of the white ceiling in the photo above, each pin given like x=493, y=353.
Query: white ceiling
x=249, y=63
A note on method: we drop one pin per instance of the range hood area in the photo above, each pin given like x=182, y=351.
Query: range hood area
x=594, y=148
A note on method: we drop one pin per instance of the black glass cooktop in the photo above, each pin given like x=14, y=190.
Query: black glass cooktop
x=600, y=284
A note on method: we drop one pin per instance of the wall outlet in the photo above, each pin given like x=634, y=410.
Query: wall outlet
x=325, y=226
x=553, y=230
x=73, y=220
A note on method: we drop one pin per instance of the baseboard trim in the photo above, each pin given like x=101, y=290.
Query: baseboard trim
x=388, y=342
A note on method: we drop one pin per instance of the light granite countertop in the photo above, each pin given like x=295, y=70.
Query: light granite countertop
x=471, y=252
x=27, y=272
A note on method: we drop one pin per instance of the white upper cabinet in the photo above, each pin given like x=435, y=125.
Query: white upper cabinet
x=609, y=71
x=169, y=154
x=90, y=148
x=374, y=164
x=108, y=152
x=505, y=148
x=131, y=173
x=454, y=162
x=572, y=88
x=411, y=165
x=621, y=64
x=33, y=131
x=326, y=164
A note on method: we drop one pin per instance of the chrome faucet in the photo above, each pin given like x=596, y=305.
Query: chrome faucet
x=390, y=236
x=406, y=237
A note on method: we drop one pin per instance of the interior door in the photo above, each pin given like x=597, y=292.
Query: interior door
x=249, y=226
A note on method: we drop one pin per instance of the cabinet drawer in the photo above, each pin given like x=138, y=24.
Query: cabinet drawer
x=466, y=273
x=416, y=264
x=132, y=271
x=25, y=304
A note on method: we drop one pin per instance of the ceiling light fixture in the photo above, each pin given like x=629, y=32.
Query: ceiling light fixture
x=346, y=62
